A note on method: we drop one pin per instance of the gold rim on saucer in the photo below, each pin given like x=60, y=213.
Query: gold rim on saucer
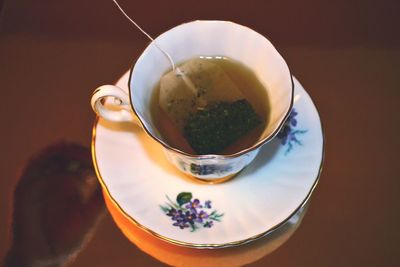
x=193, y=245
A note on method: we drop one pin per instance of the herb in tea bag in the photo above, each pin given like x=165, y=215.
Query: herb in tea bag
x=206, y=106
x=211, y=130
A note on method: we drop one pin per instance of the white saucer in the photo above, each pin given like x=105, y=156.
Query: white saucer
x=134, y=172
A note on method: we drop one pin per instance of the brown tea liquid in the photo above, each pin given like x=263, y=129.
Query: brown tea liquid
x=247, y=83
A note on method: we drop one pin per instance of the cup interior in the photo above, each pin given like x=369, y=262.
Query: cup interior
x=213, y=38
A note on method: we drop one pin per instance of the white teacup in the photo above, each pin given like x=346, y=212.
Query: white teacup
x=186, y=41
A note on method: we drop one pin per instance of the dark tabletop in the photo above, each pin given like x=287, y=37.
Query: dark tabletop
x=345, y=53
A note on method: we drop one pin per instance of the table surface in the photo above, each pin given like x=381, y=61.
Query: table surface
x=54, y=53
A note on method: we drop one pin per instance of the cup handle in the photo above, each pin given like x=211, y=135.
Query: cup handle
x=122, y=111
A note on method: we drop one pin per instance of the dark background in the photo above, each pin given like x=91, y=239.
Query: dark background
x=345, y=53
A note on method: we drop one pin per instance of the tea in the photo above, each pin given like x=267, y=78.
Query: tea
x=242, y=79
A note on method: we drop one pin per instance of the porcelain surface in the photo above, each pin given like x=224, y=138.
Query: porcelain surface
x=158, y=198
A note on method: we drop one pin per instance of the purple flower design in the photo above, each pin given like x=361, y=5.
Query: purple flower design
x=288, y=134
x=188, y=213
x=190, y=217
x=201, y=216
x=181, y=224
x=172, y=212
x=193, y=205
x=177, y=215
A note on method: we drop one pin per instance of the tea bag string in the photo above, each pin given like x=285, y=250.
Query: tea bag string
x=178, y=71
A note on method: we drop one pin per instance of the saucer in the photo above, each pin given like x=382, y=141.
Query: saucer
x=156, y=197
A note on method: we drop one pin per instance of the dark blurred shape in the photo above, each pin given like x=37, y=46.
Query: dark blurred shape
x=57, y=203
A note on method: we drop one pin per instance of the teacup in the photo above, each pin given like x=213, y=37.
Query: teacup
x=186, y=41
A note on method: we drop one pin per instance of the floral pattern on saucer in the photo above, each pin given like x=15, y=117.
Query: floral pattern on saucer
x=288, y=134
x=186, y=212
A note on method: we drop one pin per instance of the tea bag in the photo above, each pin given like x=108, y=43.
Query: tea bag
x=193, y=86
x=203, y=102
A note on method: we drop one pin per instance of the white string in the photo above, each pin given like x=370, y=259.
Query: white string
x=145, y=33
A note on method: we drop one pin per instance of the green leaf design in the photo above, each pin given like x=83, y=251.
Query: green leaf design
x=193, y=228
x=183, y=198
x=172, y=204
x=164, y=208
x=215, y=216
